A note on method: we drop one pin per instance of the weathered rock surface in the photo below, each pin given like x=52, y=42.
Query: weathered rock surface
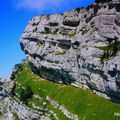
x=11, y=108
x=80, y=47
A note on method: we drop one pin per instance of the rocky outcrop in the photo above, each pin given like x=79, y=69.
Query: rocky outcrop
x=11, y=108
x=80, y=47
x=106, y=1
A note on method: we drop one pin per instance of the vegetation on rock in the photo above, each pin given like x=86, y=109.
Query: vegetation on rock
x=82, y=103
x=110, y=51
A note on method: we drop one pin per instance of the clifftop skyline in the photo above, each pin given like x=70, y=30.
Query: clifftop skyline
x=14, y=18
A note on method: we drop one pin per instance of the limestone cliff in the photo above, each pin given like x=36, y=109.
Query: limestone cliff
x=79, y=47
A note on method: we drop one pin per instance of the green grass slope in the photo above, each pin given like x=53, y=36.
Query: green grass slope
x=83, y=103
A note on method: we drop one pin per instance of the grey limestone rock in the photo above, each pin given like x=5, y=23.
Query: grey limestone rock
x=80, y=47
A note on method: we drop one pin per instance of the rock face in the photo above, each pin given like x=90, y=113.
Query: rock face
x=80, y=47
x=112, y=1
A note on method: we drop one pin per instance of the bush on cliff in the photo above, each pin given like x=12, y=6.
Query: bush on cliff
x=26, y=94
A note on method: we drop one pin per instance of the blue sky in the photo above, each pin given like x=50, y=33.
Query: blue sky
x=14, y=16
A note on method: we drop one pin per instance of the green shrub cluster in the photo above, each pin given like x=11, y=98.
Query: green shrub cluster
x=110, y=51
x=85, y=30
x=26, y=94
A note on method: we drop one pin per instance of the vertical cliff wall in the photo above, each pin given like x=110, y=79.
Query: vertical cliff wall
x=79, y=47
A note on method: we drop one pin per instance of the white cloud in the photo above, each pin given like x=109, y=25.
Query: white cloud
x=48, y=5
x=44, y=4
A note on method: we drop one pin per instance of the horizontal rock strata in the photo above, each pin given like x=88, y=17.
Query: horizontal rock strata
x=80, y=47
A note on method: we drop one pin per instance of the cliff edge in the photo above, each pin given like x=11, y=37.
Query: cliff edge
x=79, y=47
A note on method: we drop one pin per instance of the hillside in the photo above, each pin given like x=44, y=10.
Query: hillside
x=46, y=100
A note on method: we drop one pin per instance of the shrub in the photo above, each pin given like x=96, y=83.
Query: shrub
x=110, y=51
x=12, y=93
x=26, y=94
x=84, y=30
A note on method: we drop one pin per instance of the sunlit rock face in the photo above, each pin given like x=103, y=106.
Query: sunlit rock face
x=79, y=47
x=106, y=1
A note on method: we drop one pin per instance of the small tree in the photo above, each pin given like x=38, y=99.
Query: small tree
x=12, y=92
x=26, y=94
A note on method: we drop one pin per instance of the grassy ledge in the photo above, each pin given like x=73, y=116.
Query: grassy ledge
x=83, y=103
